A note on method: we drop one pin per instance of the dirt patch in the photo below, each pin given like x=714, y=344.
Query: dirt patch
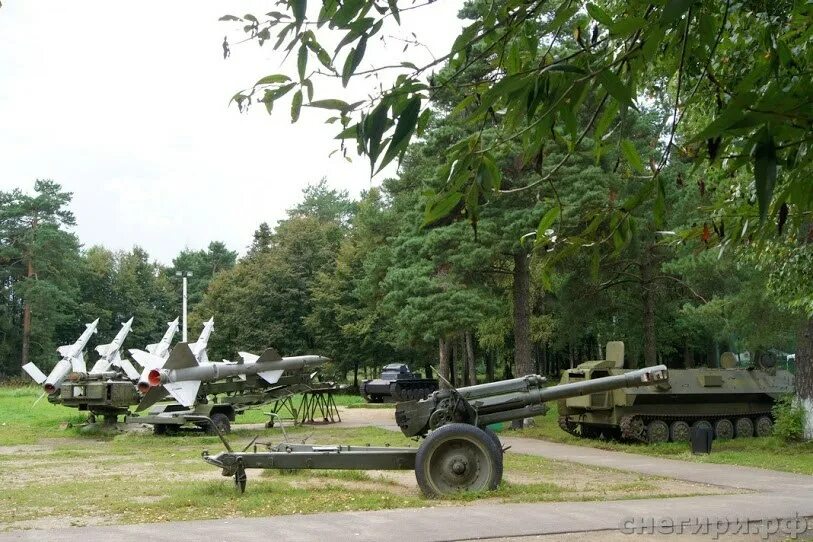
x=60, y=522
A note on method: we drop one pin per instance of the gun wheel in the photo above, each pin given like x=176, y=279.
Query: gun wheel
x=458, y=458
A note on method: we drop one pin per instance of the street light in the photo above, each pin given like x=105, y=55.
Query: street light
x=184, y=276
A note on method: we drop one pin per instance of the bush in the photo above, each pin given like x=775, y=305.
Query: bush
x=789, y=419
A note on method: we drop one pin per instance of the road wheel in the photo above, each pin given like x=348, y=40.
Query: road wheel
x=221, y=421
x=744, y=428
x=657, y=431
x=679, y=431
x=723, y=429
x=763, y=427
x=493, y=436
x=458, y=457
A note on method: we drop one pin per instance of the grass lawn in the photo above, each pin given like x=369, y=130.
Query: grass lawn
x=768, y=452
x=53, y=476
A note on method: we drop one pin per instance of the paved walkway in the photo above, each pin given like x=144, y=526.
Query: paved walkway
x=775, y=495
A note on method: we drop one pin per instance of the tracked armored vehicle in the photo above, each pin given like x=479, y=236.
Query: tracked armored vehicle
x=735, y=402
x=397, y=383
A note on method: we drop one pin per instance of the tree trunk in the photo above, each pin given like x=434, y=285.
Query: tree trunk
x=443, y=363
x=804, y=373
x=490, y=362
x=356, y=375
x=650, y=347
x=470, y=362
x=25, y=354
x=523, y=364
x=688, y=355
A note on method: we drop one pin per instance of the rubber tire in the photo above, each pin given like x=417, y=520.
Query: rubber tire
x=761, y=424
x=679, y=431
x=663, y=429
x=723, y=429
x=159, y=429
x=496, y=439
x=744, y=428
x=220, y=420
x=449, y=432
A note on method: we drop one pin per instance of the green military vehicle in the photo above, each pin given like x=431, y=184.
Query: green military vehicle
x=732, y=401
x=108, y=394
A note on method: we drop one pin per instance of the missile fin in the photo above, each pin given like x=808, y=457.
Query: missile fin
x=181, y=357
x=78, y=364
x=151, y=397
x=272, y=377
x=248, y=357
x=128, y=368
x=34, y=372
x=269, y=355
x=146, y=359
x=185, y=392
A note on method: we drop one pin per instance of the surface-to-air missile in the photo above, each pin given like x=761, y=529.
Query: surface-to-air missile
x=156, y=354
x=183, y=372
x=458, y=452
x=73, y=359
x=106, y=390
x=731, y=401
x=110, y=354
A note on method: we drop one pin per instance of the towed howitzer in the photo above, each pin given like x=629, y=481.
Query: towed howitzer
x=485, y=404
x=458, y=451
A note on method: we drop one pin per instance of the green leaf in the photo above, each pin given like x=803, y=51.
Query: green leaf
x=440, y=206
x=298, y=7
x=374, y=126
x=296, y=106
x=595, y=261
x=599, y=14
x=765, y=174
x=547, y=221
x=273, y=79
x=394, y=9
x=615, y=87
x=229, y=18
x=659, y=208
x=631, y=155
x=403, y=131
x=674, y=9
x=627, y=26
x=353, y=60
x=331, y=104
x=302, y=61
x=730, y=115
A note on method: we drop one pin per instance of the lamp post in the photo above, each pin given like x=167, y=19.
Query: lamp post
x=184, y=275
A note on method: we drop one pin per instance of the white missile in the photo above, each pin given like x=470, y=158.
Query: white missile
x=110, y=354
x=72, y=360
x=182, y=374
x=161, y=348
x=156, y=359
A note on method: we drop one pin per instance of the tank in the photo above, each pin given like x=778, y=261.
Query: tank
x=397, y=383
x=735, y=402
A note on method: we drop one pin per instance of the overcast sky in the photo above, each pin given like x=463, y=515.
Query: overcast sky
x=125, y=105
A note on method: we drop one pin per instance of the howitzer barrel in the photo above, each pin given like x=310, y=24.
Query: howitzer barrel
x=508, y=400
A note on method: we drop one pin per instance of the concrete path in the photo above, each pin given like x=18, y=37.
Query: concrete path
x=775, y=495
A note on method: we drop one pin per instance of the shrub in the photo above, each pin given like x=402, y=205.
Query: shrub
x=789, y=418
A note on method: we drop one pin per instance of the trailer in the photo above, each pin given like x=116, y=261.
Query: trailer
x=458, y=452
